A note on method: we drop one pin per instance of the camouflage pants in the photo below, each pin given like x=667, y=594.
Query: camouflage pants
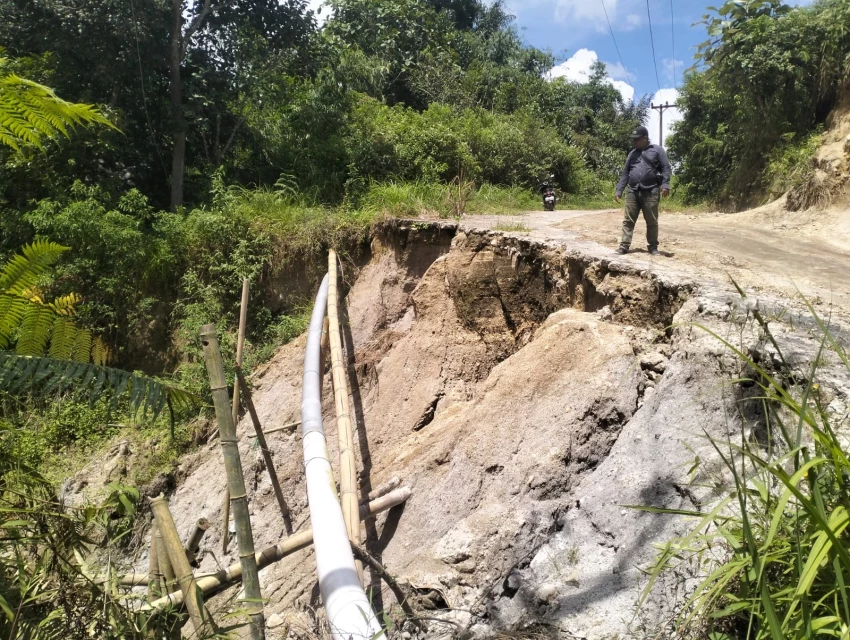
x=637, y=201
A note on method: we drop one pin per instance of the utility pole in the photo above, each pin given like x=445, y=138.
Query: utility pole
x=661, y=108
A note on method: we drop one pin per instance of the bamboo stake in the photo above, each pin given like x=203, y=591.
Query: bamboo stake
x=222, y=579
x=264, y=447
x=347, y=462
x=323, y=350
x=225, y=524
x=193, y=545
x=240, y=346
x=155, y=585
x=287, y=427
x=383, y=489
x=235, y=480
x=165, y=568
x=191, y=596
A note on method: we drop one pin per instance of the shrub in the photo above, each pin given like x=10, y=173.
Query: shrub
x=441, y=143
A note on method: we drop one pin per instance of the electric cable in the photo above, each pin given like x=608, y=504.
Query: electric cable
x=611, y=29
x=652, y=40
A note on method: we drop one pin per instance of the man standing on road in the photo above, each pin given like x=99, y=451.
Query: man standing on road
x=645, y=177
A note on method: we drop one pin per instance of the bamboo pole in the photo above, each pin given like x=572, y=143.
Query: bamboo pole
x=347, y=462
x=165, y=568
x=155, y=586
x=193, y=545
x=191, y=595
x=240, y=347
x=235, y=480
x=222, y=579
x=383, y=489
x=292, y=426
x=323, y=350
x=264, y=447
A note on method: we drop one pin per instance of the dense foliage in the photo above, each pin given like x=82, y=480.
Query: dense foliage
x=263, y=92
x=771, y=77
x=317, y=130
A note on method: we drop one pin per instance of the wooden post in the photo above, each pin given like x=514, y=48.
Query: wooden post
x=174, y=547
x=240, y=347
x=347, y=462
x=267, y=455
x=235, y=480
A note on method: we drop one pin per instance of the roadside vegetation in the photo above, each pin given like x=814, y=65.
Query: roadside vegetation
x=767, y=79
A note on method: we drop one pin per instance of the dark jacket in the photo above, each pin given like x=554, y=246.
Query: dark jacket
x=645, y=169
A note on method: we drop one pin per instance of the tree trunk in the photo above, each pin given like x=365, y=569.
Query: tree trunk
x=178, y=121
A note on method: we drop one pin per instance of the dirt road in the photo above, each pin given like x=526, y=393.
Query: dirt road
x=765, y=249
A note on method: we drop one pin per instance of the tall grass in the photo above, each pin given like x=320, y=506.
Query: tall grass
x=601, y=196
x=781, y=532
x=423, y=198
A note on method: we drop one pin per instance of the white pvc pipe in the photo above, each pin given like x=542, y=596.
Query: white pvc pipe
x=349, y=611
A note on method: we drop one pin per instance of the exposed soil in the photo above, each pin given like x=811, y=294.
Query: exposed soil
x=526, y=387
x=767, y=249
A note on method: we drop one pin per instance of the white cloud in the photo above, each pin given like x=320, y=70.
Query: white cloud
x=671, y=115
x=671, y=68
x=617, y=71
x=579, y=68
x=626, y=90
x=587, y=15
x=633, y=21
x=321, y=9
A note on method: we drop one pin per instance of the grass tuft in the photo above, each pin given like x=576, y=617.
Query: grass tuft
x=773, y=552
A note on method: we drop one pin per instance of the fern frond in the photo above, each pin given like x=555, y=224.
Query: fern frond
x=34, y=332
x=31, y=113
x=46, y=375
x=99, y=351
x=12, y=311
x=65, y=337
x=22, y=272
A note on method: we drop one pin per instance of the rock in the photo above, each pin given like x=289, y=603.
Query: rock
x=654, y=361
x=274, y=621
x=547, y=592
x=455, y=546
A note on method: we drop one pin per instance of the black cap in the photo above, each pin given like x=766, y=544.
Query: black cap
x=640, y=132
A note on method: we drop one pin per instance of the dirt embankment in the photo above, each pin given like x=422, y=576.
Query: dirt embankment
x=526, y=392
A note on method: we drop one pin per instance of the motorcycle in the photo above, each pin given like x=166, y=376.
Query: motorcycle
x=549, y=197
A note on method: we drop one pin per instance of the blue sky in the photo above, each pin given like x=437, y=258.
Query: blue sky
x=577, y=32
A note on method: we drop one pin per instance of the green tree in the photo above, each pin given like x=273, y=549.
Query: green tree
x=771, y=76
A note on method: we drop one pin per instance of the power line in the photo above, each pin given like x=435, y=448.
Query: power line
x=623, y=64
x=673, y=35
x=652, y=40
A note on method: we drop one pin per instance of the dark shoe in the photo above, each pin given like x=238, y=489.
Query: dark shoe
x=654, y=252
x=622, y=251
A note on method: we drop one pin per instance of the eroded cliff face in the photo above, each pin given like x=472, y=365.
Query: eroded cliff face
x=526, y=394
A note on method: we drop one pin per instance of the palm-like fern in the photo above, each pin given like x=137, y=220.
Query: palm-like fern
x=51, y=352
x=31, y=113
